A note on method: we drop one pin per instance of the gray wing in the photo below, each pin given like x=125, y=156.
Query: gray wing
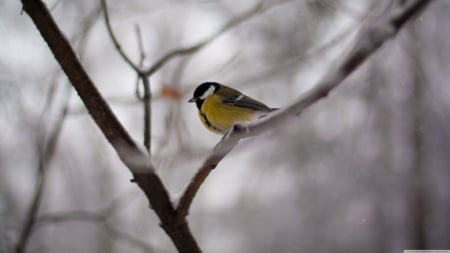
x=247, y=102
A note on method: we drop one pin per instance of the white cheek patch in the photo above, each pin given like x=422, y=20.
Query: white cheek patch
x=208, y=92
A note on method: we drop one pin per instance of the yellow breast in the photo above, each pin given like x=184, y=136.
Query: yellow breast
x=219, y=117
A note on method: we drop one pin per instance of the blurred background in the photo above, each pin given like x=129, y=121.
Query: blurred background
x=366, y=169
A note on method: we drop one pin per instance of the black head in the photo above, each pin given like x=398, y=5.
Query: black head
x=203, y=91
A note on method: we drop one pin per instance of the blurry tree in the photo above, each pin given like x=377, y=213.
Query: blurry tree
x=366, y=169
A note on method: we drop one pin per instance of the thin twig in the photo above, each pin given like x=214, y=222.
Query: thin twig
x=137, y=68
x=45, y=156
x=147, y=103
x=30, y=216
x=147, y=98
x=114, y=38
x=368, y=42
x=68, y=216
x=141, y=58
x=259, y=8
x=140, y=45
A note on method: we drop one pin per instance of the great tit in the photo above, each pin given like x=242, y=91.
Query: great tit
x=220, y=107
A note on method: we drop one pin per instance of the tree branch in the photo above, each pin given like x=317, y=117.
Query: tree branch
x=147, y=98
x=141, y=76
x=259, y=8
x=368, y=41
x=45, y=156
x=126, y=148
x=115, y=40
x=147, y=103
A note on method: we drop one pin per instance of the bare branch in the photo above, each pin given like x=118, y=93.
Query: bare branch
x=45, y=157
x=369, y=40
x=115, y=40
x=140, y=45
x=145, y=82
x=46, y=219
x=147, y=103
x=147, y=98
x=141, y=59
x=126, y=148
x=259, y=8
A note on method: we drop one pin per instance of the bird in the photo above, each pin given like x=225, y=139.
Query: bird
x=221, y=107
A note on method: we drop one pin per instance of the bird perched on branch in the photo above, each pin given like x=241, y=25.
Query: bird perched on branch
x=220, y=107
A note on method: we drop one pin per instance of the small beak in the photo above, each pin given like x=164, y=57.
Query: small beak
x=192, y=100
